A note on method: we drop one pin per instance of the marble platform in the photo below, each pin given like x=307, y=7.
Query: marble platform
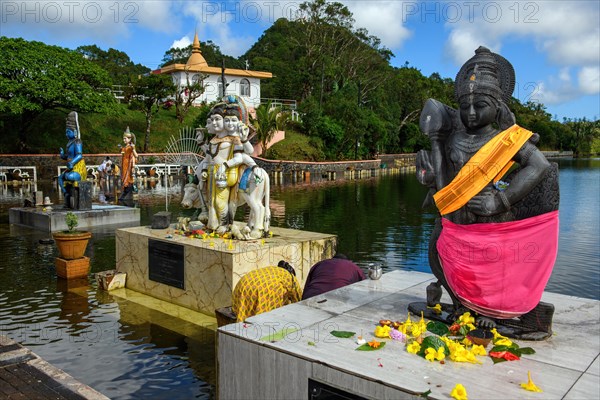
x=566, y=366
x=201, y=274
x=53, y=219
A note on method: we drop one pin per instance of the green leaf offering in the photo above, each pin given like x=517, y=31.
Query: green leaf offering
x=527, y=350
x=438, y=328
x=274, y=337
x=433, y=342
x=342, y=334
x=366, y=347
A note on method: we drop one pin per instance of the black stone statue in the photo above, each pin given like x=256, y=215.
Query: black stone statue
x=494, y=246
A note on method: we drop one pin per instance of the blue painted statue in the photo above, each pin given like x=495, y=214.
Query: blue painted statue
x=76, y=170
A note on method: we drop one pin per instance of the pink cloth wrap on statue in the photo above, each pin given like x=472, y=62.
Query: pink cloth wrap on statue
x=499, y=269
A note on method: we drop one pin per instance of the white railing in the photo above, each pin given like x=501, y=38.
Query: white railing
x=140, y=170
x=26, y=173
x=283, y=103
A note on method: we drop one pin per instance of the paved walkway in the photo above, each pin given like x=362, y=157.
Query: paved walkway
x=24, y=375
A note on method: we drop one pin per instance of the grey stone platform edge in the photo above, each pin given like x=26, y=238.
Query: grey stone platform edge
x=24, y=375
x=54, y=220
x=566, y=366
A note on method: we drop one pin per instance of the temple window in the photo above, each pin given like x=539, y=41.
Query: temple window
x=245, y=87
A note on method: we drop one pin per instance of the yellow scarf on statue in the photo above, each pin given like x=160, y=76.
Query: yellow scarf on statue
x=491, y=162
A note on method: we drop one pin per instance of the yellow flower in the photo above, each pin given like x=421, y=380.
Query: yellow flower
x=466, y=319
x=417, y=330
x=459, y=353
x=502, y=341
x=422, y=324
x=530, y=385
x=495, y=332
x=436, y=309
x=467, y=342
x=430, y=354
x=471, y=327
x=459, y=392
x=478, y=350
x=441, y=354
x=382, y=331
x=413, y=348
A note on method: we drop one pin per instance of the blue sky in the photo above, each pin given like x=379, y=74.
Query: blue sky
x=553, y=45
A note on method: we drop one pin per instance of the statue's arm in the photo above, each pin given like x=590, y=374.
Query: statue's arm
x=436, y=123
x=533, y=165
x=244, y=132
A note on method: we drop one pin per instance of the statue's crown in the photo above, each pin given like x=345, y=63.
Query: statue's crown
x=72, y=121
x=486, y=73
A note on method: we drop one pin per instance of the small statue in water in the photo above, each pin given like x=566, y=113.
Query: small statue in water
x=129, y=159
x=76, y=170
x=494, y=248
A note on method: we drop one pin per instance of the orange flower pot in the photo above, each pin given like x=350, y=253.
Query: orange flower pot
x=71, y=245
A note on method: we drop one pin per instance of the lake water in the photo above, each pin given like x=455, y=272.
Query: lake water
x=128, y=351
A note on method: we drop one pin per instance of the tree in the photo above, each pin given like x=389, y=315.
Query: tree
x=117, y=63
x=268, y=121
x=147, y=94
x=584, y=134
x=35, y=77
x=186, y=94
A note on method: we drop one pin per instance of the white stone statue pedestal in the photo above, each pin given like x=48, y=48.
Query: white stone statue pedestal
x=200, y=274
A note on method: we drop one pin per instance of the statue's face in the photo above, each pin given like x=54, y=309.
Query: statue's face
x=70, y=134
x=126, y=140
x=217, y=123
x=231, y=123
x=477, y=111
x=209, y=126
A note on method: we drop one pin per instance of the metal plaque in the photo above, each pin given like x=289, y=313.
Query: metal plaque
x=166, y=263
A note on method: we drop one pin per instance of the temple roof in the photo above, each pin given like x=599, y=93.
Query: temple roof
x=197, y=63
x=196, y=58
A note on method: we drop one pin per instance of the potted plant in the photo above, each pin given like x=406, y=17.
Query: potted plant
x=71, y=243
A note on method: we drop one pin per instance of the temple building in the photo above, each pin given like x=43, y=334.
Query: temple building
x=244, y=83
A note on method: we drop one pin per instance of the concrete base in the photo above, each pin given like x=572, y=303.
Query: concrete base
x=213, y=267
x=250, y=366
x=53, y=219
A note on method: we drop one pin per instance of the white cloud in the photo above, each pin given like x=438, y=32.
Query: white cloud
x=181, y=43
x=382, y=19
x=567, y=33
x=101, y=20
x=589, y=80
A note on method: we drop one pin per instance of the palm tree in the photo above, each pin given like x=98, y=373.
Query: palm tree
x=268, y=120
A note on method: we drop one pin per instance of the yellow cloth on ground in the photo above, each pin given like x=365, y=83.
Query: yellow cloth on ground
x=263, y=290
x=489, y=163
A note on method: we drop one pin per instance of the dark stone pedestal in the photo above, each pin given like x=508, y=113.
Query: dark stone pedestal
x=161, y=220
x=80, y=197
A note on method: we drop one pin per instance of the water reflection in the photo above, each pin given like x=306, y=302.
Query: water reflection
x=126, y=350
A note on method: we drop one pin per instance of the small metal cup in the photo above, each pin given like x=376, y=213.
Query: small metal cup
x=375, y=271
